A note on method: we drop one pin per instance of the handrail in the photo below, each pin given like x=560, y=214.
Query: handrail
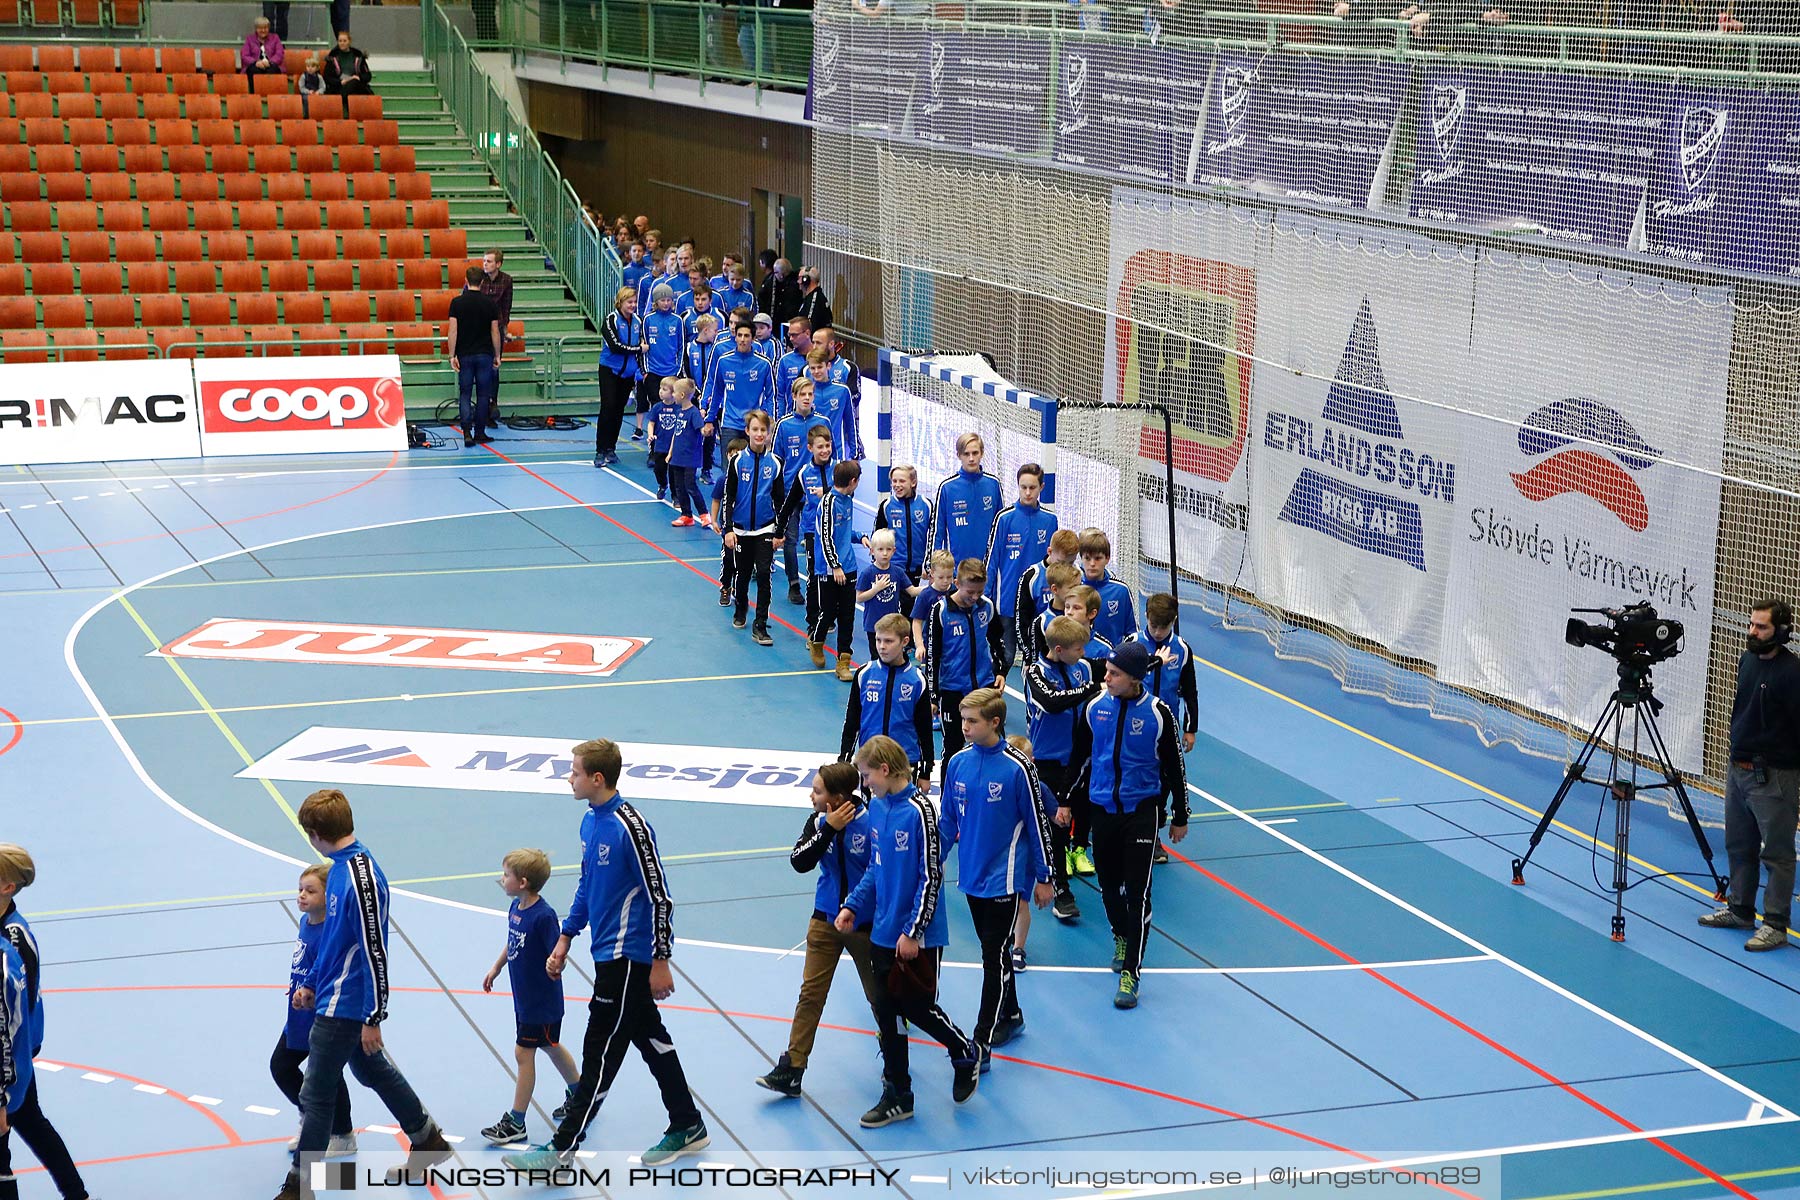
x=573, y=247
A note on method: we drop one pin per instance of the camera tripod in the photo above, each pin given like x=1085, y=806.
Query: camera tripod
x=1632, y=697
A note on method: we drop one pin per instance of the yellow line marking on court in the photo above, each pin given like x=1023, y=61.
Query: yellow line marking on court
x=1536, y=814
x=217, y=583
x=158, y=904
x=213, y=712
x=209, y=710
x=1670, y=1185
x=1277, y=809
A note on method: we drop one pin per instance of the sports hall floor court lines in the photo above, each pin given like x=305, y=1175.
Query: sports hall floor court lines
x=1340, y=972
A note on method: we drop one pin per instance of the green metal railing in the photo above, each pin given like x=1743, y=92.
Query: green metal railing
x=571, y=244
x=749, y=44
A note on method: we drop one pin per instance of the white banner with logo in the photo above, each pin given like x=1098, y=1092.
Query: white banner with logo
x=1570, y=507
x=96, y=412
x=1355, y=487
x=300, y=405
x=247, y=639
x=1181, y=278
x=504, y=762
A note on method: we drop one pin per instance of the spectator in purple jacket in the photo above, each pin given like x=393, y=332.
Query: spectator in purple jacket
x=262, y=53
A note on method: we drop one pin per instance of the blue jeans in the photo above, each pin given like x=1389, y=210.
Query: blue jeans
x=477, y=375
x=336, y=1043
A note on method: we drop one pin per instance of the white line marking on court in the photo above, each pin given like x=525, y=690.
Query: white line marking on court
x=78, y=497
x=260, y=1111
x=25, y=506
x=209, y=1101
x=630, y=482
x=455, y=1139
x=357, y=470
x=594, y=1153
x=97, y=1077
x=46, y=1066
x=384, y=1129
x=52, y=503
x=1756, y=1111
x=1286, y=821
x=150, y=1089
x=1481, y=947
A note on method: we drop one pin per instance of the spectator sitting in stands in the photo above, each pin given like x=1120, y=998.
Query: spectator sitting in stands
x=262, y=53
x=311, y=84
x=346, y=68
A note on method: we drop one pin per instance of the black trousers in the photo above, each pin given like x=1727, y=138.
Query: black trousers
x=286, y=1071
x=908, y=995
x=649, y=389
x=41, y=1138
x=621, y=1015
x=949, y=705
x=278, y=19
x=615, y=390
x=659, y=466
x=1124, y=850
x=836, y=607
x=1055, y=776
x=994, y=917
x=755, y=555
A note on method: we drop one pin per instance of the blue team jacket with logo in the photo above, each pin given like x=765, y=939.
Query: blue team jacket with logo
x=754, y=491
x=1126, y=755
x=349, y=976
x=841, y=857
x=992, y=812
x=1117, y=619
x=893, y=701
x=736, y=384
x=964, y=514
x=1020, y=539
x=910, y=519
x=902, y=888
x=623, y=894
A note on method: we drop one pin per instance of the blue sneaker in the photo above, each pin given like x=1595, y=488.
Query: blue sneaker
x=1128, y=991
x=539, y=1158
x=676, y=1143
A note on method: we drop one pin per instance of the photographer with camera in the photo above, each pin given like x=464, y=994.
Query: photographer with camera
x=1762, y=786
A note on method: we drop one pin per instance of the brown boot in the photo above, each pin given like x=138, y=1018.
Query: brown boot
x=846, y=669
x=422, y=1155
x=817, y=651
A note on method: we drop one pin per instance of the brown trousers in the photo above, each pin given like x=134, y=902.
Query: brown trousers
x=824, y=946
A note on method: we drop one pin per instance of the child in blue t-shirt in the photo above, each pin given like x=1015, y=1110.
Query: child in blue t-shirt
x=531, y=932
x=660, y=435
x=881, y=586
x=682, y=424
x=291, y=1050
x=939, y=581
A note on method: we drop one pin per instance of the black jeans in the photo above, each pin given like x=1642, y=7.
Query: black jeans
x=41, y=1138
x=621, y=1015
x=1124, y=850
x=994, y=917
x=910, y=997
x=836, y=607
x=615, y=390
x=286, y=1071
x=755, y=555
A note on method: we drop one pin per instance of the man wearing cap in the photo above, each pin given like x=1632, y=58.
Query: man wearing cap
x=1126, y=761
x=766, y=345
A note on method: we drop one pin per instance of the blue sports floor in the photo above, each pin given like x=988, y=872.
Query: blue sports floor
x=1341, y=973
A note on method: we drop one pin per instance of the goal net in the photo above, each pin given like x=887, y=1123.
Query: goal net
x=1454, y=338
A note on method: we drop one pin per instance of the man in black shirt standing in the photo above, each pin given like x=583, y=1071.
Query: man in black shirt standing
x=1762, y=786
x=474, y=353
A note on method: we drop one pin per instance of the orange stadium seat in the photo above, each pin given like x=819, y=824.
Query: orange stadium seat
x=218, y=61
x=241, y=189
x=317, y=247
x=44, y=131
x=146, y=278
x=370, y=185
x=63, y=80
x=319, y=339
x=51, y=158
x=114, y=312
x=154, y=187
x=315, y=161
x=77, y=216
x=135, y=247
x=102, y=279
x=361, y=244
x=368, y=338
x=380, y=133
x=345, y=214
x=198, y=186
x=179, y=58
x=175, y=341
x=71, y=185
x=37, y=106
x=435, y=306
x=300, y=215
x=415, y=340
x=24, y=81
x=413, y=185
x=42, y=247
x=245, y=276
x=106, y=187
x=155, y=160
x=351, y=159
x=118, y=107
x=96, y=157
x=95, y=59
x=243, y=108
x=65, y=312
x=192, y=278
x=286, y=108
x=330, y=187
x=213, y=215
x=364, y=108
x=102, y=85
x=25, y=345
x=170, y=215
x=450, y=243
x=23, y=187
x=182, y=246
x=270, y=85
x=229, y=160
x=393, y=214
x=399, y=160
x=217, y=133
x=395, y=307
x=71, y=106
x=14, y=157
x=16, y=58
x=88, y=247
x=333, y=275
x=18, y=312
x=160, y=106
x=230, y=85
x=376, y=274
x=270, y=245
x=137, y=60
x=208, y=308
x=285, y=277
x=341, y=133
x=132, y=132
x=189, y=83
x=160, y=309
x=122, y=216
x=77, y=345
x=148, y=83
x=12, y=279
x=203, y=108
x=274, y=341
x=302, y=308
x=52, y=279
x=122, y=344
x=286, y=188
x=255, y=308
x=86, y=131
x=56, y=58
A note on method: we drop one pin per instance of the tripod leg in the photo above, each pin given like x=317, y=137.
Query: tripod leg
x=1624, y=791
x=1687, y=806
x=1576, y=772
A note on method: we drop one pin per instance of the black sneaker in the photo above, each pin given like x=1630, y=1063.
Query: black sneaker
x=1065, y=908
x=893, y=1106
x=739, y=620
x=760, y=635
x=724, y=595
x=637, y=435
x=562, y=1110
x=794, y=596
x=966, y=1079
x=1007, y=1029
x=1162, y=852
x=1018, y=958
x=505, y=1131
x=785, y=1078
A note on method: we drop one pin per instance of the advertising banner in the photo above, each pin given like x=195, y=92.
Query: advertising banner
x=268, y=640
x=1129, y=111
x=300, y=405
x=987, y=94
x=96, y=412
x=1579, y=508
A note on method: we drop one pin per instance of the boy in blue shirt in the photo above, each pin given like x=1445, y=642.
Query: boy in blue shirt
x=967, y=504
x=751, y=519
x=793, y=436
x=22, y=1034
x=661, y=432
x=1116, y=617
x=623, y=894
x=740, y=381
x=734, y=293
x=1171, y=677
x=1020, y=539
x=681, y=423
x=701, y=305
x=811, y=482
x=939, y=581
x=1056, y=684
x=766, y=345
x=909, y=516
x=347, y=990
x=635, y=268
x=1046, y=800
x=964, y=650
x=835, y=841
x=700, y=353
x=881, y=587
x=835, y=571
x=1033, y=598
x=900, y=894
x=531, y=933
x=833, y=402
x=290, y=1051
x=991, y=809
x=665, y=342
x=889, y=697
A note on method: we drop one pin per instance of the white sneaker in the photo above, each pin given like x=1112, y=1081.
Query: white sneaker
x=341, y=1145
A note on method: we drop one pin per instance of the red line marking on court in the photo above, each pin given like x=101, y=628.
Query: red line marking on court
x=18, y=732
x=152, y=537
x=231, y=1135
x=750, y=1016
x=1465, y=1027
x=125, y=1158
x=773, y=615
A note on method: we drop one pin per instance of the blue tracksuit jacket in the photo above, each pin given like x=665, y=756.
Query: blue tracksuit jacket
x=836, y=544
x=901, y=890
x=790, y=442
x=788, y=367
x=832, y=401
x=910, y=519
x=1172, y=684
x=737, y=384
x=963, y=650
x=964, y=514
x=623, y=894
x=1020, y=539
x=992, y=811
x=623, y=337
x=1117, y=618
x=840, y=856
x=1053, y=693
x=1126, y=755
x=349, y=978
x=17, y=930
x=893, y=701
x=15, y=1030
x=754, y=492
x=664, y=342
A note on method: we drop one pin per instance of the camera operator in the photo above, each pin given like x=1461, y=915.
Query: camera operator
x=1762, y=787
